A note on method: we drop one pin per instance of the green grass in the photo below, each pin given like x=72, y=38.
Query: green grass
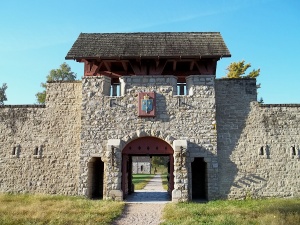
x=141, y=180
x=252, y=212
x=56, y=210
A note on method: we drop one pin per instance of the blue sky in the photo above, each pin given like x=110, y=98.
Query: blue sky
x=35, y=36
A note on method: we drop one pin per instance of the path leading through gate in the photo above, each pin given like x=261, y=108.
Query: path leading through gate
x=145, y=206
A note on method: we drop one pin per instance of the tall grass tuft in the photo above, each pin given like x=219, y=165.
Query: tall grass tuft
x=258, y=212
x=56, y=210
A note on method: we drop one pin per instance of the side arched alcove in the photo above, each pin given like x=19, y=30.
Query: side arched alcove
x=203, y=175
x=95, y=178
x=199, y=178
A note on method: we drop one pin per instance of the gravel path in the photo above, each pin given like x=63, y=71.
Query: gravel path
x=145, y=206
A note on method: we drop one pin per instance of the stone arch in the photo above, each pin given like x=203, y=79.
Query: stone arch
x=145, y=145
x=167, y=137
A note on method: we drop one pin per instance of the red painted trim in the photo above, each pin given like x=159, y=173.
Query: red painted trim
x=148, y=145
x=171, y=181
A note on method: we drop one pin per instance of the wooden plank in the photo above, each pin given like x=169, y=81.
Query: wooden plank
x=174, y=65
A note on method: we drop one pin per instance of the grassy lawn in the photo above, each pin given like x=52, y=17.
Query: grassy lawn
x=258, y=212
x=141, y=180
x=46, y=209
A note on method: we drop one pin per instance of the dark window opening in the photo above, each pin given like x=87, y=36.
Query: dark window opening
x=115, y=89
x=181, y=89
x=293, y=150
x=36, y=151
x=261, y=151
x=14, y=151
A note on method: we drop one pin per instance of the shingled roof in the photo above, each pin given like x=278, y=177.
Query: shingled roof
x=148, y=45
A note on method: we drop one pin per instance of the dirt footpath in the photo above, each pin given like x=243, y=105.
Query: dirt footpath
x=141, y=213
x=145, y=206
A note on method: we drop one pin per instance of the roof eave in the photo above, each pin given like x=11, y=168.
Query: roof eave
x=148, y=57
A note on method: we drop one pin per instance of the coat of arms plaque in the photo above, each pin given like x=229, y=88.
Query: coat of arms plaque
x=146, y=104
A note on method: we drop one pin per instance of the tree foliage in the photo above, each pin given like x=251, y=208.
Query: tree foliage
x=261, y=101
x=159, y=160
x=238, y=69
x=3, y=94
x=63, y=73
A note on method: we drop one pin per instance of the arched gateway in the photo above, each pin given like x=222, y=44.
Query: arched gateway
x=145, y=146
x=142, y=100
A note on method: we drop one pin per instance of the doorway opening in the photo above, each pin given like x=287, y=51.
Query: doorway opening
x=95, y=178
x=199, y=179
x=146, y=147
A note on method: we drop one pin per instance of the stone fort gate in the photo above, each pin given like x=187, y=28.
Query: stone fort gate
x=148, y=94
x=151, y=94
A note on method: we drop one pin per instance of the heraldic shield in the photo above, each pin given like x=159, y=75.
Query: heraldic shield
x=146, y=104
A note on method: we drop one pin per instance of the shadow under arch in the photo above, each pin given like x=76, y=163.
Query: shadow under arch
x=144, y=146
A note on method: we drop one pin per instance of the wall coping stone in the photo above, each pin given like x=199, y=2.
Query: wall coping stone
x=227, y=79
x=64, y=81
x=23, y=106
x=278, y=105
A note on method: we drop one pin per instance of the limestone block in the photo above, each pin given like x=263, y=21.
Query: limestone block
x=176, y=195
x=177, y=144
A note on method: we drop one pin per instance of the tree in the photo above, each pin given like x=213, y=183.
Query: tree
x=158, y=160
x=238, y=69
x=64, y=73
x=2, y=94
x=261, y=100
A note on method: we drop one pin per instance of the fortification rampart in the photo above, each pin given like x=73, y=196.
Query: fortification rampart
x=249, y=149
x=258, y=145
x=40, y=143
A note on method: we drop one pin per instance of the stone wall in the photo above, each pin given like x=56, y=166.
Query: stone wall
x=187, y=118
x=141, y=165
x=45, y=141
x=256, y=143
x=249, y=149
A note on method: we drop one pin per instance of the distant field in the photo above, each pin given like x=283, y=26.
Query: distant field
x=141, y=180
x=243, y=212
x=56, y=210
